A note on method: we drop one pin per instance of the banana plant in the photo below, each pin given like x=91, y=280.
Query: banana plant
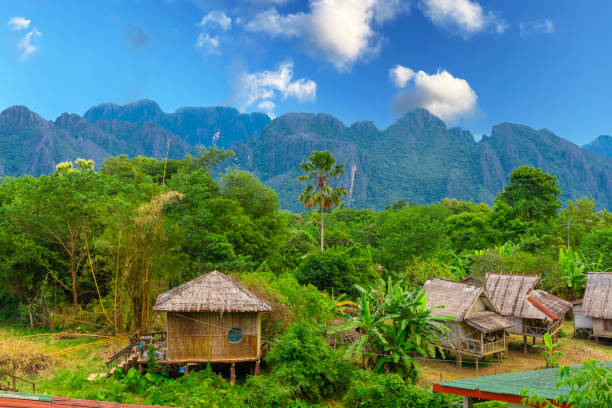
x=550, y=354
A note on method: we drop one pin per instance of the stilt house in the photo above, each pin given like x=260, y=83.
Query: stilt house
x=534, y=312
x=596, y=310
x=212, y=318
x=477, y=329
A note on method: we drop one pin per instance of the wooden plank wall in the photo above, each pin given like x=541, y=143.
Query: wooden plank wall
x=202, y=336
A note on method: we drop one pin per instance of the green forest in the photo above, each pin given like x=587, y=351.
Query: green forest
x=87, y=251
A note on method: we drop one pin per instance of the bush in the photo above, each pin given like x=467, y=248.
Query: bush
x=304, y=363
x=369, y=389
x=330, y=271
x=199, y=389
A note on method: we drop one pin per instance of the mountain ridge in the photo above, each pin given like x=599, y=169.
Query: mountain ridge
x=417, y=157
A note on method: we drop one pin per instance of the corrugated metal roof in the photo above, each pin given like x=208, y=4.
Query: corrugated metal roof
x=542, y=382
x=26, y=400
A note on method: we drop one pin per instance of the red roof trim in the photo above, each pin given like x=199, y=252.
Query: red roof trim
x=492, y=396
x=542, y=308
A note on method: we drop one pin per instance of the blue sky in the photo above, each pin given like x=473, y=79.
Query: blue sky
x=474, y=63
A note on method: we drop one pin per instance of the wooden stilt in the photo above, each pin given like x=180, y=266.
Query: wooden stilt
x=477, y=368
x=525, y=344
x=233, y=373
x=533, y=341
x=140, y=368
x=186, y=369
x=257, y=367
x=459, y=362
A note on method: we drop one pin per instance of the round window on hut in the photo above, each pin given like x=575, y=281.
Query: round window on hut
x=234, y=335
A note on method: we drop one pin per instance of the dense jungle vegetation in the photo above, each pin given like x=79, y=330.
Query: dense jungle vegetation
x=90, y=250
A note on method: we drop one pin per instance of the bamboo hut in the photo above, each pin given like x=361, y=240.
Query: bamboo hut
x=477, y=330
x=534, y=312
x=597, y=304
x=212, y=319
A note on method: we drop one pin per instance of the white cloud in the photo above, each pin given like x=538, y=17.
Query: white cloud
x=216, y=18
x=340, y=31
x=208, y=44
x=19, y=23
x=400, y=75
x=465, y=17
x=441, y=93
x=26, y=44
x=261, y=88
x=545, y=26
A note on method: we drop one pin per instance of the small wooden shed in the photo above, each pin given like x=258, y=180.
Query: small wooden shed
x=212, y=319
x=477, y=329
x=533, y=311
x=597, y=303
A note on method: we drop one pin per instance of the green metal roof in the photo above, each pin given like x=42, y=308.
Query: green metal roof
x=542, y=382
x=25, y=395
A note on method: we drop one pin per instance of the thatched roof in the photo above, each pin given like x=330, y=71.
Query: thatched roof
x=488, y=321
x=516, y=296
x=551, y=305
x=470, y=280
x=456, y=297
x=509, y=293
x=598, y=295
x=212, y=292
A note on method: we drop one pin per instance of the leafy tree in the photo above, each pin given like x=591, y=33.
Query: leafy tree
x=532, y=195
x=330, y=271
x=411, y=232
x=319, y=170
x=597, y=246
x=582, y=217
x=209, y=158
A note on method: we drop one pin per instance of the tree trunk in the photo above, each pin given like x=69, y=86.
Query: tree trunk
x=75, y=300
x=322, y=229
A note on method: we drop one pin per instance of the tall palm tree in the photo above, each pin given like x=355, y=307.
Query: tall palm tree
x=319, y=169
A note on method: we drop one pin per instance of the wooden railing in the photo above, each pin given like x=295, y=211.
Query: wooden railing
x=476, y=347
x=541, y=330
x=8, y=382
x=495, y=346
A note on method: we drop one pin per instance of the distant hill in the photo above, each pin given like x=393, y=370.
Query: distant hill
x=416, y=158
x=601, y=145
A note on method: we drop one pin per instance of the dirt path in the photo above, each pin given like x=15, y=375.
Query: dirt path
x=577, y=351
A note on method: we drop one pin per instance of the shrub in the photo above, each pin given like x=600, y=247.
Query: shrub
x=369, y=389
x=304, y=363
x=199, y=389
x=330, y=271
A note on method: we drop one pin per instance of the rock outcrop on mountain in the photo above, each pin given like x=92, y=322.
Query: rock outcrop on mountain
x=417, y=158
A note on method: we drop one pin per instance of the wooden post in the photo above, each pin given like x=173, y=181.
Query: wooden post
x=476, y=367
x=233, y=373
x=186, y=369
x=257, y=367
x=525, y=344
x=533, y=341
x=140, y=368
x=440, y=376
x=459, y=359
x=468, y=402
x=495, y=370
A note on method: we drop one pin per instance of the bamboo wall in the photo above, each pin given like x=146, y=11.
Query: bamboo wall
x=202, y=336
x=602, y=327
